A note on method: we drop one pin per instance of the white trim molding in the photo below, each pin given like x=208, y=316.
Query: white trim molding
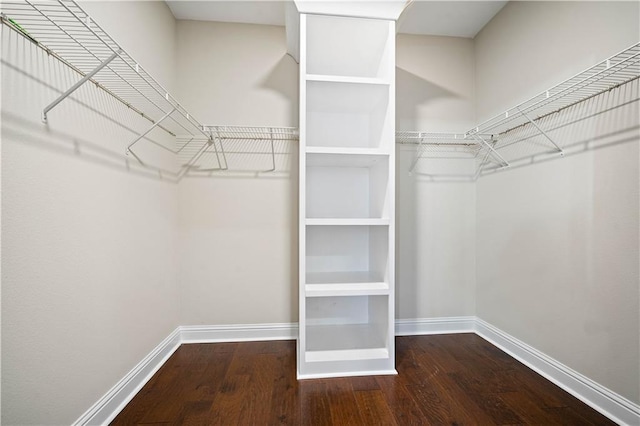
x=607, y=402
x=114, y=401
x=238, y=332
x=444, y=325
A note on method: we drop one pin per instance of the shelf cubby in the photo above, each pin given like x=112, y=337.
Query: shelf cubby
x=341, y=253
x=347, y=186
x=343, y=328
x=348, y=115
x=349, y=47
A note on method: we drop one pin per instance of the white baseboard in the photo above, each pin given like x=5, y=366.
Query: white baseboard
x=446, y=325
x=107, y=407
x=607, y=402
x=238, y=332
x=610, y=404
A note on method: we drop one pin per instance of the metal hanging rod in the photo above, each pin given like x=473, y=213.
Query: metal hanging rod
x=67, y=33
x=434, y=138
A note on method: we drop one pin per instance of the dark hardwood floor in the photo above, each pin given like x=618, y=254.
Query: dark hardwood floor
x=443, y=379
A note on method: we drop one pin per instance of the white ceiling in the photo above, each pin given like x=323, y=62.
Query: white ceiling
x=447, y=18
x=248, y=12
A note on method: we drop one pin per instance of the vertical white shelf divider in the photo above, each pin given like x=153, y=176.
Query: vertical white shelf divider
x=347, y=196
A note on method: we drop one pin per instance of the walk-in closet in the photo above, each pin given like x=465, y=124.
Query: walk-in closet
x=314, y=212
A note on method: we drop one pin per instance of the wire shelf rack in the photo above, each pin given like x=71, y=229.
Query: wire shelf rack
x=533, y=127
x=604, y=76
x=439, y=146
x=239, y=148
x=66, y=32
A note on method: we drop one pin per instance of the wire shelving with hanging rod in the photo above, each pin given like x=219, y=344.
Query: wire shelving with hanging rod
x=532, y=118
x=436, y=149
x=66, y=32
x=238, y=148
x=527, y=129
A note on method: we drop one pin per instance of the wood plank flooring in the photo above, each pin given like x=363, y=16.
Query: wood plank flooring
x=444, y=379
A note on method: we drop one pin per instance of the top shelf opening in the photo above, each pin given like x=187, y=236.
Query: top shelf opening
x=347, y=47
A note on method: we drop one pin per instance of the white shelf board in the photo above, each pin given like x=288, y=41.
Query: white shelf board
x=346, y=222
x=346, y=79
x=347, y=289
x=346, y=355
x=340, y=277
x=341, y=160
x=345, y=150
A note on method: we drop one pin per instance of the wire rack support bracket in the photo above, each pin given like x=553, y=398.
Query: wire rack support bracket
x=418, y=156
x=73, y=88
x=146, y=132
x=542, y=132
x=490, y=148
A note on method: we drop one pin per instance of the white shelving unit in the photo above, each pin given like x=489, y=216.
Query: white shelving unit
x=347, y=167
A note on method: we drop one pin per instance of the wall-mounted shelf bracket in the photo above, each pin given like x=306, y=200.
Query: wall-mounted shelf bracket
x=418, y=155
x=146, y=132
x=560, y=150
x=73, y=88
x=273, y=152
x=495, y=153
x=195, y=158
x=217, y=138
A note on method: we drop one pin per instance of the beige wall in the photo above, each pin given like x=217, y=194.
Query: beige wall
x=238, y=230
x=435, y=220
x=557, y=242
x=435, y=87
x=237, y=74
x=89, y=250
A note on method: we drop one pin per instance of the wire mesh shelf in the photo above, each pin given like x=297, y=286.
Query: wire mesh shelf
x=436, y=143
x=537, y=127
x=240, y=149
x=602, y=77
x=532, y=128
x=66, y=32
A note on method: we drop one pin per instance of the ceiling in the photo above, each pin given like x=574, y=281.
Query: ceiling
x=448, y=18
x=445, y=18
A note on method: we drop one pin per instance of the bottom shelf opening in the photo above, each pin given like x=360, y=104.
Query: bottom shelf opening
x=346, y=328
